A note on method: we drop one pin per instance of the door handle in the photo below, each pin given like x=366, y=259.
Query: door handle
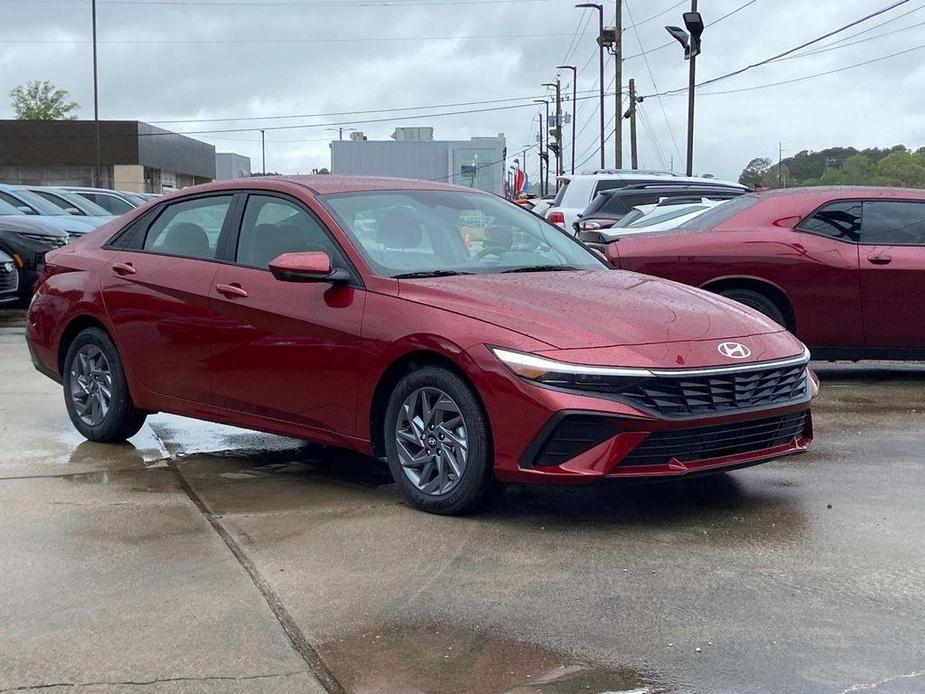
x=879, y=259
x=232, y=291
x=124, y=269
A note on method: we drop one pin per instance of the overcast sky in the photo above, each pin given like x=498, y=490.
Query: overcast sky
x=162, y=60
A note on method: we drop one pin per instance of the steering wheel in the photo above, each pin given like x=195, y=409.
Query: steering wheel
x=484, y=253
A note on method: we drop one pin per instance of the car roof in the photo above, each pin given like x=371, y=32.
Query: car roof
x=324, y=184
x=843, y=192
x=654, y=176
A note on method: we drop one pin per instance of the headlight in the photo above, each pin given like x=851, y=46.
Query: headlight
x=7, y=267
x=564, y=375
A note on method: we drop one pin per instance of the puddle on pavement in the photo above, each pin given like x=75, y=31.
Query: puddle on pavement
x=406, y=657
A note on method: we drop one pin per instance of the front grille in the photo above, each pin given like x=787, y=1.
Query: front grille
x=718, y=441
x=9, y=280
x=573, y=435
x=678, y=396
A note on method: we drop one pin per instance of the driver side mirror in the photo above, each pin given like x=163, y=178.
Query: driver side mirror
x=314, y=266
x=73, y=210
x=25, y=209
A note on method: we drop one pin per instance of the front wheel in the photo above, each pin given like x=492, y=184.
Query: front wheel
x=437, y=442
x=757, y=301
x=95, y=391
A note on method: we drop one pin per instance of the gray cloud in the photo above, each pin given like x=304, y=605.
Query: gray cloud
x=874, y=105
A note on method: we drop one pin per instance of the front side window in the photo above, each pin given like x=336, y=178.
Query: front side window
x=893, y=223
x=838, y=220
x=409, y=232
x=272, y=226
x=190, y=228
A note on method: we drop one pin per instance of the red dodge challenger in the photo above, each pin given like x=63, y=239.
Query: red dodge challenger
x=459, y=337
x=841, y=267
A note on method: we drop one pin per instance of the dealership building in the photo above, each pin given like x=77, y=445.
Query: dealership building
x=134, y=156
x=414, y=153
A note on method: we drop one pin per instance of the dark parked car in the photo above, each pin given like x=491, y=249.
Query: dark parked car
x=9, y=279
x=610, y=206
x=26, y=239
x=351, y=311
x=842, y=267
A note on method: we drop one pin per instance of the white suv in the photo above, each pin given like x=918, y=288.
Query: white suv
x=578, y=190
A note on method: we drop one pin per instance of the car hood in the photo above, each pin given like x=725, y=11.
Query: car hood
x=66, y=223
x=574, y=310
x=32, y=224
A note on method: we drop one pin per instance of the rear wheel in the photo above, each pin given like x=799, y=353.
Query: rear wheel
x=437, y=442
x=757, y=301
x=95, y=391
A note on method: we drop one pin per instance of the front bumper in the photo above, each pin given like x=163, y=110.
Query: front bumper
x=546, y=436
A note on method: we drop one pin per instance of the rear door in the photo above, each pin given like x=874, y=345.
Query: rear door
x=156, y=291
x=286, y=350
x=892, y=260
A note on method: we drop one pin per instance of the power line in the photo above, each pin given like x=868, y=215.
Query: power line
x=833, y=47
x=353, y=113
x=817, y=74
x=654, y=85
x=655, y=16
x=778, y=56
x=294, y=3
x=352, y=39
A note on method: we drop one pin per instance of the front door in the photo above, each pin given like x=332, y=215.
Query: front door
x=157, y=294
x=286, y=350
x=892, y=255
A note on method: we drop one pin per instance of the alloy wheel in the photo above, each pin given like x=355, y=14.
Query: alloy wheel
x=91, y=384
x=432, y=441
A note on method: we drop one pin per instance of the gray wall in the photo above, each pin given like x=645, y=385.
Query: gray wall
x=424, y=160
x=229, y=166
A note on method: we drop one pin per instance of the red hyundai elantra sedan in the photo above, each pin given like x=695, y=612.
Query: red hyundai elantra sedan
x=459, y=337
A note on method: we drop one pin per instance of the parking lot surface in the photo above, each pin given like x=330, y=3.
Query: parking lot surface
x=207, y=558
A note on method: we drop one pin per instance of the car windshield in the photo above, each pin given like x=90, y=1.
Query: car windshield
x=81, y=203
x=663, y=216
x=37, y=202
x=8, y=209
x=429, y=232
x=721, y=213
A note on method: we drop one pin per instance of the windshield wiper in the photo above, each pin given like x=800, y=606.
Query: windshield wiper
x=430, y=273
x=542, y=268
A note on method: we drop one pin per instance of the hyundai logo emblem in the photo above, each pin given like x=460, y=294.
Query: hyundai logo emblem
x=734, y=350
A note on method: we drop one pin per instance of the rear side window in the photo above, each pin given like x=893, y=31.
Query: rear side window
x=838, y=220
x=190, y=228
x=563, y=184
x=612, y=184
x=889, y=223
x=721, y=213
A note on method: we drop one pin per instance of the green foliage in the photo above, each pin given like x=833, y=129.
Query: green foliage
x=894, y=166
x=754, y=170
x=42, y=101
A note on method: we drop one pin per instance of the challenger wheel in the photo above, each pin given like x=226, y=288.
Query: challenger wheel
x=437, y=442
x=95, y=391
x=757, y=301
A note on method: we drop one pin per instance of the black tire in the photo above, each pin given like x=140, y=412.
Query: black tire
x=122, y=420
x=476, y=484
x=757, y=301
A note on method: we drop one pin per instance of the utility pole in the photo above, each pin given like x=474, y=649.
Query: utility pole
x=263, y=148
x=600, y=43
x=557, y=129
x=631, y=114
x=780, y=164
x=544, y=153
x=574, y=106
x=96, y=105
x=618, y=86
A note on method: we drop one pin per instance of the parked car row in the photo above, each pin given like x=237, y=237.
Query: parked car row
x=36, y=219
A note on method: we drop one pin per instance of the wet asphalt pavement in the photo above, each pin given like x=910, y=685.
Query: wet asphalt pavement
x=207, y=558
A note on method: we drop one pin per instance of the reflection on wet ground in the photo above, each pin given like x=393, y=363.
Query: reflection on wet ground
x=805, y=574
x=425, y=657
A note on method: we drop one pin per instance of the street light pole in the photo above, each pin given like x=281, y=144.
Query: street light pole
x=557, y=131
x=96, y=103
x=544, y=188
x=618, y=87
x=600, y=44
x=691, y=83
x=574, y=105
x=263, y=149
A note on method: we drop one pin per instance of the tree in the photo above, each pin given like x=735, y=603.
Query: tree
x=900, y=168
x=42, y=101
x=752, y=173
